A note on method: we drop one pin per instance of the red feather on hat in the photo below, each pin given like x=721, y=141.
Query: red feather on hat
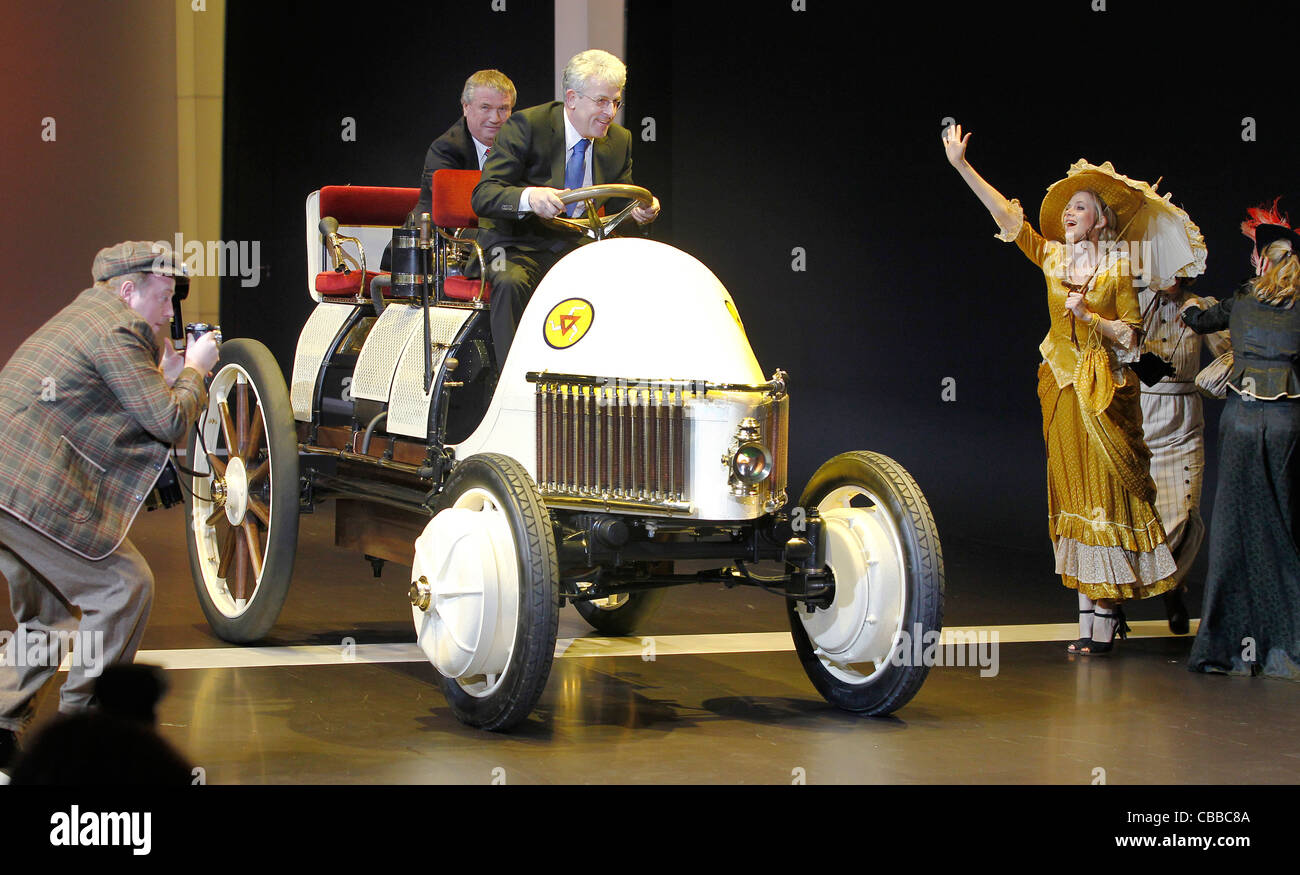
x=1262, y=215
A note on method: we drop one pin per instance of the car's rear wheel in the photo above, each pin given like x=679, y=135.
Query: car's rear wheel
x=621, y=614
x=241, y=518
x=883, y=550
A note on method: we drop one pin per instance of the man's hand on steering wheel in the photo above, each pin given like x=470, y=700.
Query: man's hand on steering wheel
x=546, y=202
x=642, y=215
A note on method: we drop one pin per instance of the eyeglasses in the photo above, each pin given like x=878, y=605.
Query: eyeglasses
x=605, y=103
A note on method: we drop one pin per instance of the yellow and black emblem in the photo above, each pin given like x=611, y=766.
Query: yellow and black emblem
x=567, y=323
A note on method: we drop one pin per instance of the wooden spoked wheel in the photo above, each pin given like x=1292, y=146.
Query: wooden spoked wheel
x=243, y=511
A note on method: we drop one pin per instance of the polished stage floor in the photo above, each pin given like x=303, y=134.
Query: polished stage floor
x=339, y=694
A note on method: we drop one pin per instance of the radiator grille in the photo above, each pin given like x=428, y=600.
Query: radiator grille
x=619, y=442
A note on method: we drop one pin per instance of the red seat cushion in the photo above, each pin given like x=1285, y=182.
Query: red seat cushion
x=334, y=284
x=459, y=288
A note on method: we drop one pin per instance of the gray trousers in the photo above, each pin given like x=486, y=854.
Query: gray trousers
x=55, y=593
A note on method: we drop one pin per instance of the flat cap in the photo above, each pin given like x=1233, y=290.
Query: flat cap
x=138, y=256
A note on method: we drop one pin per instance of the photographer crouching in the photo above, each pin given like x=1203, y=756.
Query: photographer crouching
x=89, y=406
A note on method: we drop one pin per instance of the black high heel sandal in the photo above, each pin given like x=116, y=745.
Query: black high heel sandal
x=1176, y=612
x=1076, y=646
x=1101, y=648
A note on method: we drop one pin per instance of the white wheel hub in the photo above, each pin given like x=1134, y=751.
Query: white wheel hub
x=465, y=560
x=236, y=482
x=864, y=620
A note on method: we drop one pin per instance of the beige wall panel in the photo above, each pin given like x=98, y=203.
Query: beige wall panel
x=105, y=73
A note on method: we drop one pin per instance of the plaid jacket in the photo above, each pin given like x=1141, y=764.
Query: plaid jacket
x=85, y=422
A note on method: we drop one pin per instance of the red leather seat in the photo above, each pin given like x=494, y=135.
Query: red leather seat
x=379, y=205
x=451, y=211
x=361, y=205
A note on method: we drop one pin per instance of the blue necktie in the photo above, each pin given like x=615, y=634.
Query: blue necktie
x=573, y=171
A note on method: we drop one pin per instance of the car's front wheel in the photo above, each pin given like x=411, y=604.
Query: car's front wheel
x=882, y=548
x=485, y=592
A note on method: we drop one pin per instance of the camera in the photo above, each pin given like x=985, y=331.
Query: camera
x=195, y=330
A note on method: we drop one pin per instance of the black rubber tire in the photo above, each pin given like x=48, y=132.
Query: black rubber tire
x=279, y=439
x=539, y=593
x=894, y=686
x=625, y=619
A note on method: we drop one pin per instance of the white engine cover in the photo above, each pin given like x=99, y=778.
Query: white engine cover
x=655, y=313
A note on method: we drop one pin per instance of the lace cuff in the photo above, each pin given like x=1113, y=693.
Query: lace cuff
x=1009, y=235
x=1127, y=348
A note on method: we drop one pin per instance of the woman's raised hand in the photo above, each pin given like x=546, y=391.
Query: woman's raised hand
x=955, y=144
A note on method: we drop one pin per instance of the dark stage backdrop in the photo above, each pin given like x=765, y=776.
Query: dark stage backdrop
x=777, y=129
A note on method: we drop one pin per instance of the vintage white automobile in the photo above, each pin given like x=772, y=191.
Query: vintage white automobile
x=629, y=431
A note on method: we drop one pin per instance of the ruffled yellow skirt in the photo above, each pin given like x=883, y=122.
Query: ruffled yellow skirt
x=1108, y=538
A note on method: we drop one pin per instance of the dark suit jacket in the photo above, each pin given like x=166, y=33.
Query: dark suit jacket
x=454, y=150
x=85, y=421
x=529, y=151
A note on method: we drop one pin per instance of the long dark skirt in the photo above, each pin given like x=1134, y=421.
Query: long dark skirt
x=1250, y=622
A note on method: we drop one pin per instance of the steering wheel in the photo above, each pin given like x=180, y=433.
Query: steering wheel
x=594, y=226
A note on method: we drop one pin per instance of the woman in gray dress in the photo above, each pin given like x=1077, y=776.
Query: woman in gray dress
x=1250, y=621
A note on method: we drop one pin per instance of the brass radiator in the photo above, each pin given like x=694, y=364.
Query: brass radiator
x=621, y=441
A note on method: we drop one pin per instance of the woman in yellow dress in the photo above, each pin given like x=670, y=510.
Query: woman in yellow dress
x=1108, y=540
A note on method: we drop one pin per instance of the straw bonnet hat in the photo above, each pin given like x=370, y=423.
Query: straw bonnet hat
x=1123, y=195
